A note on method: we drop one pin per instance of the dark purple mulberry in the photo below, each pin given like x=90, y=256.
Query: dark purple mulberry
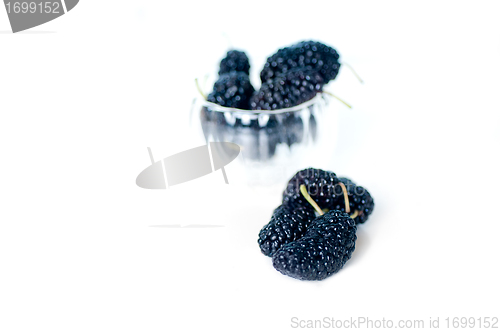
x=291, y=89
x=321, y=58
x=321, y=185
x=235, y=61
x=323, y=250
x=232, y=90
x=285, y=226
x=359, y=199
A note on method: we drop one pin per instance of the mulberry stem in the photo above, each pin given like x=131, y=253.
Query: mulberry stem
x=334, y=96
x=308, y=198
x=355, y=214
x=311, y=201
x=346, y=198
x=353, y=71
x=199, y=89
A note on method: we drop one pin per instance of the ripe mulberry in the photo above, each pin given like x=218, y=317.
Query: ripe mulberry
x=321, y=186
x=232, y=90
x=323, y=250
x=321, y=58
x=290, y=89
x=359, y=199
x=235, y=61
x=285, y=226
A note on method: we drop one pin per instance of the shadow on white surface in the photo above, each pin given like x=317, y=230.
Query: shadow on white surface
x=8, y=32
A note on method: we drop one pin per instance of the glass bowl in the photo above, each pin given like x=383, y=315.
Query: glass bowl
x=274, y=144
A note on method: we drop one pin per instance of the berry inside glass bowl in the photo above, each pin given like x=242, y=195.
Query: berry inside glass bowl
x=274, y=143
x=283, y=125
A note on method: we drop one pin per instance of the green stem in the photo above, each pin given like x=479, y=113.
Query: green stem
x=199, y=89
x=346, y=198
x=334, y=96
x=308, y=198
x=354, y=72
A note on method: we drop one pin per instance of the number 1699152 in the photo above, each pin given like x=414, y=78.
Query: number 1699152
x=33, y=7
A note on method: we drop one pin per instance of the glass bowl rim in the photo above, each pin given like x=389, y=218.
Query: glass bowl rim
x=300, y=107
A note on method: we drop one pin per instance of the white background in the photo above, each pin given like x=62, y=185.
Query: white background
x=83, y=96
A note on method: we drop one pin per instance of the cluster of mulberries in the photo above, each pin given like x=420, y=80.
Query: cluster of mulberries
x=291, y=76
x=310, y=247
